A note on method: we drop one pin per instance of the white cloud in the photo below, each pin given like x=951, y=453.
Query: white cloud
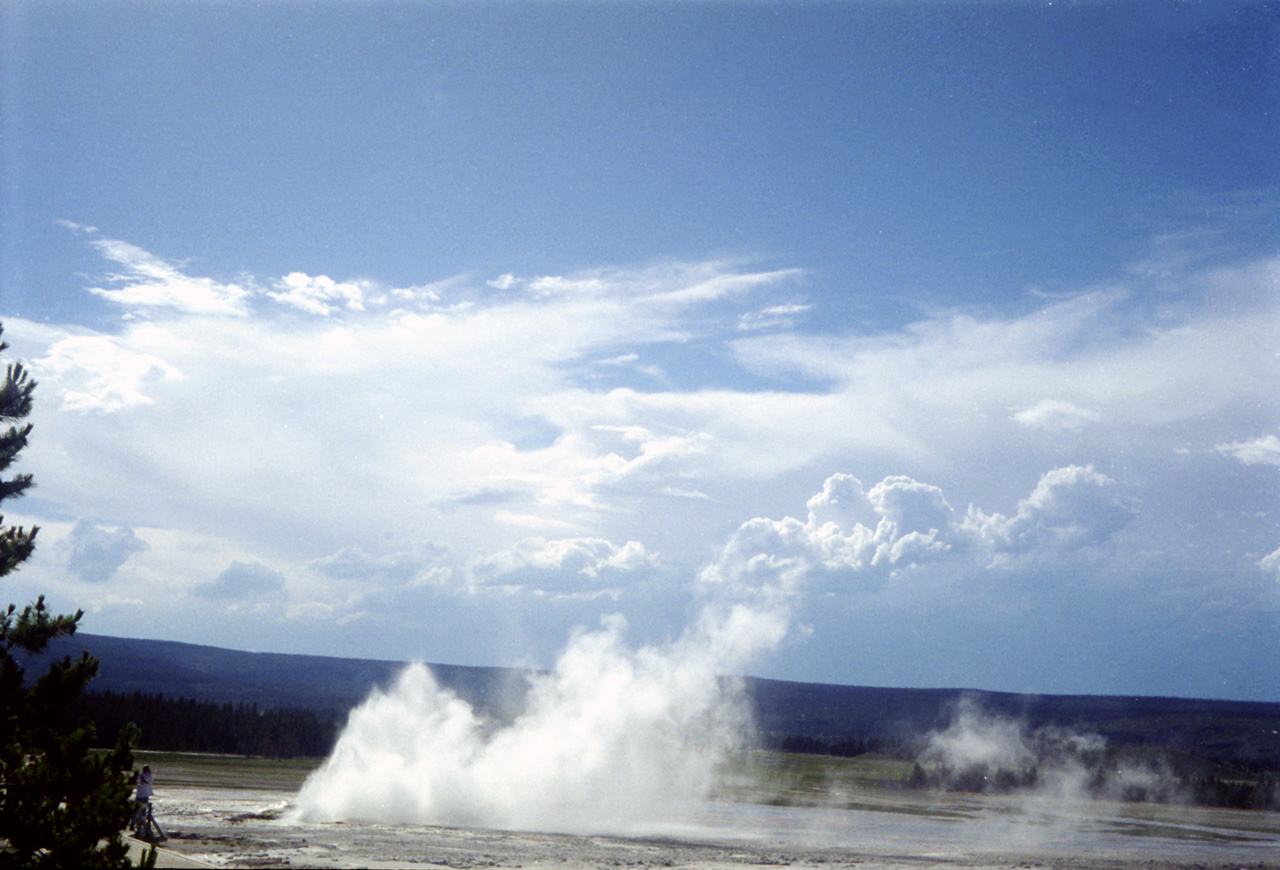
x=317, y=295
x=624, y=359
x=101, y=373
x=1271, y=562
x=842, y=503
x=640, y=451
x=593, y=463
x=150, y=282
x=429, y=397
x=848, y=532
x=772, y=317
x=1071, y=508
x=851, y=536
x=1263, y=450
x=722, y=283
x=557, y=285
x=1100, y=355
x=1053, y=415
x=474, y=417
x=561, y=565
x=80, y=228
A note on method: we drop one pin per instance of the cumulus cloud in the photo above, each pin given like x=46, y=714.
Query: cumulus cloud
x=1071, y=508
x=1263, y=450
x=150, y=282
x=242, y=581
x=562, y=565
x=319, y=295
x=94, y=553
x=901, y=523
x=842, y=502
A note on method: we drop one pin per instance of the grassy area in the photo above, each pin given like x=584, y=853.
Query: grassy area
x=796, y=779
x=191, y=770
x=756, y=776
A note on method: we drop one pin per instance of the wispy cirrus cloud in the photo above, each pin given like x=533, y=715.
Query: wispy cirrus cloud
x=1054, y=415
x=150, y=282
x=773, y=316
x=1271, y=563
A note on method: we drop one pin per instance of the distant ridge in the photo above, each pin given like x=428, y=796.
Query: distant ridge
x=322, y=683
x=1243, y=730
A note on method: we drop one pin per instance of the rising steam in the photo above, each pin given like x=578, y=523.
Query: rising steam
x=982, y=752
x=611, y=739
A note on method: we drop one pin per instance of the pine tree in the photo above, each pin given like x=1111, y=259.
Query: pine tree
x=60, y=806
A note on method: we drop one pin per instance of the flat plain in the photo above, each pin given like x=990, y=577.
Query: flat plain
x=792, y=810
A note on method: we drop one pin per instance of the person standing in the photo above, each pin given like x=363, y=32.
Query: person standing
x=145, y=791
x=142, y=798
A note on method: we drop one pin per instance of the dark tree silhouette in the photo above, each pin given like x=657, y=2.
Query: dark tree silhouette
x=60, y=805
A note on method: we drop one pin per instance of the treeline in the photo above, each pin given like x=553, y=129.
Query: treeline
x=187, y=725
x=1213, y=791
x=843, y=748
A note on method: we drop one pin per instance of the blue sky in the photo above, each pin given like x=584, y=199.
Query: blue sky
x=436, y=330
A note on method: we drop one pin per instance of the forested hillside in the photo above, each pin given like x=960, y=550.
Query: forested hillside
x=236, y=687
x=190, y=725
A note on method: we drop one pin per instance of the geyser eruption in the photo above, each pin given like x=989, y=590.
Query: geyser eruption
x=611, y=739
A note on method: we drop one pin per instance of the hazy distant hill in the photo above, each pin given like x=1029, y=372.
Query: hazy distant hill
x=321, y=683
x=1221, y=730
x=1238, y=730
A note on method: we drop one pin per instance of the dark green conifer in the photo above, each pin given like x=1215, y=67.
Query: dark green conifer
x=60, y=805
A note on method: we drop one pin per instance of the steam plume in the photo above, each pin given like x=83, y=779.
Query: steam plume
x=987, y=753
x=980, y=752
x=612, y=738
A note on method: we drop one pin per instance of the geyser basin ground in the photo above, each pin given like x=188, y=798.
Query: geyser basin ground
x=230, y=812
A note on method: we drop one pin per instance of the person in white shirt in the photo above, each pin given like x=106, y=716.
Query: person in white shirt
x=145, y=791
x=141, y=799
